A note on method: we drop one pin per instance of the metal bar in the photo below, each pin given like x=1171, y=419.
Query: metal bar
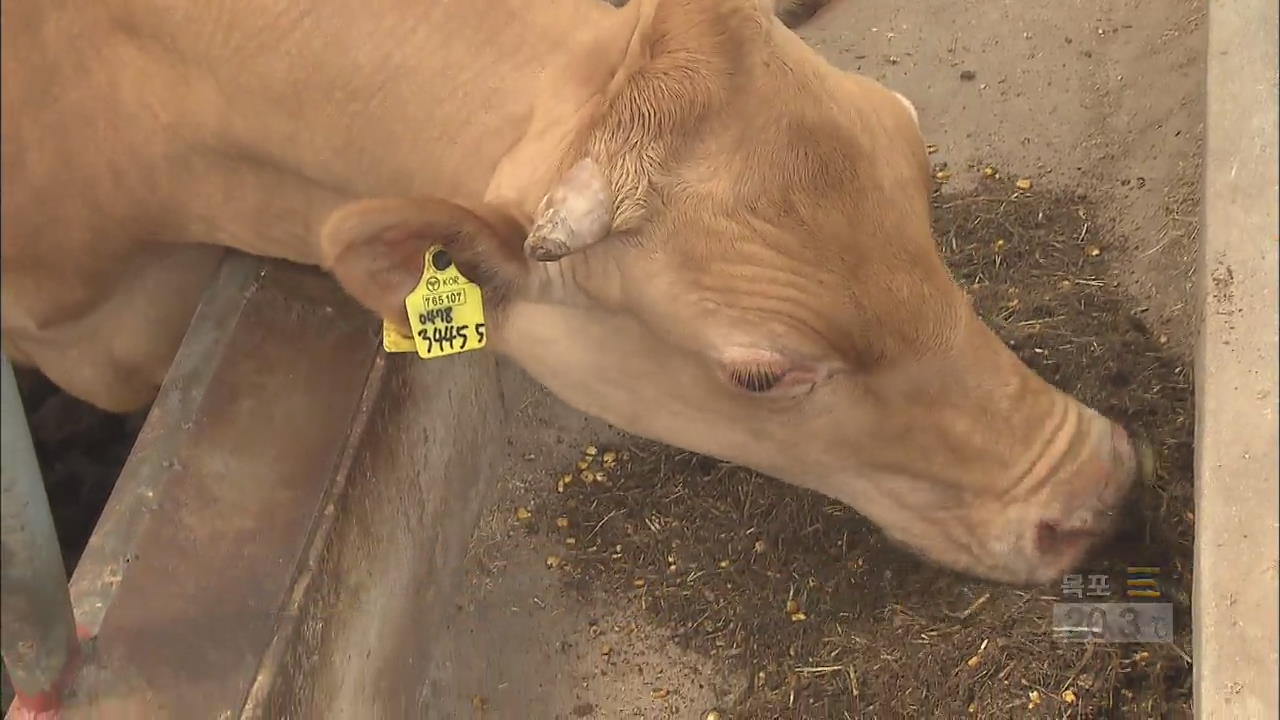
x=36, y=622
x=194, y=558
x=104, y=566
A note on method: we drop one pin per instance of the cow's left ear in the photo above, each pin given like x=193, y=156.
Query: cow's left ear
x=376, y=249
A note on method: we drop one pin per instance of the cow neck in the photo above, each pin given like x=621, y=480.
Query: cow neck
x=289, y=118
x=281, y=117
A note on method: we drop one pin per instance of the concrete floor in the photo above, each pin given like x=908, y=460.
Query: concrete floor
x=522, y=644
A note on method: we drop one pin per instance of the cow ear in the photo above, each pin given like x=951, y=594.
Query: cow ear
x=376, y=249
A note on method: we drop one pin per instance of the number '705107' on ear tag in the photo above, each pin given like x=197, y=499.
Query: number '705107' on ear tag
x=445, y=309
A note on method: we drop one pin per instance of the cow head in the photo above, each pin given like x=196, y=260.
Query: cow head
x=735, y=257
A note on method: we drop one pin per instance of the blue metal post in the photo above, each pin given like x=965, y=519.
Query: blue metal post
x=36, y=621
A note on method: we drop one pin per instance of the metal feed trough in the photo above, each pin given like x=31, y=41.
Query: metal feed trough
x=294, y=511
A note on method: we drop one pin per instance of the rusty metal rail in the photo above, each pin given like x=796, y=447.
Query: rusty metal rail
x=292, y=521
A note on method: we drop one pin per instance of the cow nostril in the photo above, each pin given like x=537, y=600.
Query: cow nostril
x=1053, y=541
x=1046, y=536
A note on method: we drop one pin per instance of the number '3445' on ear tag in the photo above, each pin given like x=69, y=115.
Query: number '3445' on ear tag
x=446, y=312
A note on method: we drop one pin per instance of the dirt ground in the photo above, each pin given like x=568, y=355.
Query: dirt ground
x=796, y=607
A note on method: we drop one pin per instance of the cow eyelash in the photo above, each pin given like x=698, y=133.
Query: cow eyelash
x=756, y=379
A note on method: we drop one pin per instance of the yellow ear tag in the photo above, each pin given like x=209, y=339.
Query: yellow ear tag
x=394, y=342
x=446, y=312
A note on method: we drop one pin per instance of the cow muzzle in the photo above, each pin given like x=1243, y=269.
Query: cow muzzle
x=1076, y=511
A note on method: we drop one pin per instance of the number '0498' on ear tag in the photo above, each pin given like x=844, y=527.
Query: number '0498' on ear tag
x=446, y=312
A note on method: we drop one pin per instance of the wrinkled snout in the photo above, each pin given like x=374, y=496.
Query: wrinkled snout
x=1016, y=479
x=1080, y=502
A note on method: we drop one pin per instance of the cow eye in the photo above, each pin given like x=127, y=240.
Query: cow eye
x=756, y=379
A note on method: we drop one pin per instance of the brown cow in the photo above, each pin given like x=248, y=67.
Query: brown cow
x=686, y=222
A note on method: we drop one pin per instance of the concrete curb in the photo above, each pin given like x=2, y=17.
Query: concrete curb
x=1235, y=594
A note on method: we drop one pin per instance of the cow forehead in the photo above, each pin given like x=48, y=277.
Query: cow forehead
x=803, y=210
x=826, y=158
x=835, y=196
x=791, y=285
